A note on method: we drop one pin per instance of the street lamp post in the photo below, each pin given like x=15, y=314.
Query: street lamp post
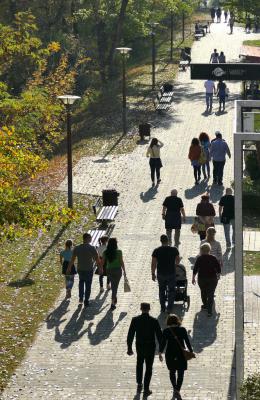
x=68, y=100
x=153, y=26
x=124, y=51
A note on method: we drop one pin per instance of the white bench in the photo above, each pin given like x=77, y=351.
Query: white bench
x=183, y=65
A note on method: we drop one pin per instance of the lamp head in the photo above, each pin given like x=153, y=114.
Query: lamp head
x=68, y=99
x=124, y=50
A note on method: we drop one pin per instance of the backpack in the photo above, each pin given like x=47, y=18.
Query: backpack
x=203, y=157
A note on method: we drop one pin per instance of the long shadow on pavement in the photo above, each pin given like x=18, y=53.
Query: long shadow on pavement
x=149, y=195
x=104, y=328
x=55, y=317
x=204, y=330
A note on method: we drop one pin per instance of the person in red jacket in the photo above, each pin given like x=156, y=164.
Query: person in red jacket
x=194, y=156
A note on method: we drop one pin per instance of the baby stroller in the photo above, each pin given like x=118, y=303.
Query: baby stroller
x=181, y=285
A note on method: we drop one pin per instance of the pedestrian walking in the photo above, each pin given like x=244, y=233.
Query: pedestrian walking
x=208, y=269
x=218, y=151
x=102, y=247
x=212, y=14
x=195, y=156
x=205, y=144
x=227, y=215
x=214, y=57
x=65, y=257
x=219, y=12
x=210, y=90
x=214, y=245
x=225, y=15
x=175, y=339
x=205, y=212
x=164, y=259
x=144, y=328
x=155, y=162
x=87, y=259
x=221, y=94
x=231, y=23
x=222, y=58
x=113, y=259
x=172, y=211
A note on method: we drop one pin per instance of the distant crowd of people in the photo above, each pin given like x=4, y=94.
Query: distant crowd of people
x=229, y=18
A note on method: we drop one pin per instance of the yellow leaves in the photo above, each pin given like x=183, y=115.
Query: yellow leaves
x=54, y=47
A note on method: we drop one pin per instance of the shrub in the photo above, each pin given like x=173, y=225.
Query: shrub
x=252, y=166
x=250, y=389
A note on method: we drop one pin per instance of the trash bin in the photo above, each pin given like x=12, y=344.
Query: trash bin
x=144, y=130
x=110, y=197
x=167, y=87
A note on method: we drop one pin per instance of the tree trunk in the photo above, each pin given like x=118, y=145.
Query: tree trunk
x=101, y=48
x=258, y=153
x=116, y=37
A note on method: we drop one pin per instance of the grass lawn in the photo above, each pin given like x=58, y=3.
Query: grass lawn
x=30, y=281
x=252, y=262
x=254, y=43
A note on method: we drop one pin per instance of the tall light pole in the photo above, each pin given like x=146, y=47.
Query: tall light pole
x=153, y=26
x=171, y=54
x=68, y=100
x=124, y=51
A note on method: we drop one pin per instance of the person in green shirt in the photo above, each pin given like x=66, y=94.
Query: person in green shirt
x=113, y=258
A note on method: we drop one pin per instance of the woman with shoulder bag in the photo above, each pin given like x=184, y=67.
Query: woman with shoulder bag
x=175, y=337
x=113, y=258
x=155, y=162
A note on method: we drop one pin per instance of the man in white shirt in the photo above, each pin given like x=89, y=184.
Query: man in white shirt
x=210, y=90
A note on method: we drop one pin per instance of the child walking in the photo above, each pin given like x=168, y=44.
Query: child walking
x=65, y=257
x=102, y=247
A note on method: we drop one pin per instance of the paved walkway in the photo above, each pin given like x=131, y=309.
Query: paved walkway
x=82, y=355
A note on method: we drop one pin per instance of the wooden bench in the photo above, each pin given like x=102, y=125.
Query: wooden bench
x=183, y=65
x=198, y=36
x=163, y=99
x=104, y=214
x=97, y=233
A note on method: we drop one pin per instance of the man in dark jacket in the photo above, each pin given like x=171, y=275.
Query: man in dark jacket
x=144, y=328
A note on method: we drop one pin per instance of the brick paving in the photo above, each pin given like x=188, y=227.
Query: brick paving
x=82, y=354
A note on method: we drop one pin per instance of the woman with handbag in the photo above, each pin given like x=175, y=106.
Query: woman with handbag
x=113, y=258
x=205, y=212
x=195, y=153
x=175, y=337
x=155, y=162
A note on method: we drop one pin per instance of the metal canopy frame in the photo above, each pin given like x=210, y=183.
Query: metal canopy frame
x=239, y=138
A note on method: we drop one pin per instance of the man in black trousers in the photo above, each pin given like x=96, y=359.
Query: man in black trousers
x=145, y=328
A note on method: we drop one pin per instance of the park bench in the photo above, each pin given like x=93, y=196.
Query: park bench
x=198, y=36
x=104, y=214
x=97, y=233
x=163, y=98
x=183, y=65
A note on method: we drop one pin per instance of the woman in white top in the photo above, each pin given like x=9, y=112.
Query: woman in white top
x=155, y=162
x=214, y=244
x=102, y=247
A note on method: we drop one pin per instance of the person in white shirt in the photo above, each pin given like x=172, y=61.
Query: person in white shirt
x=210, y=90
x=214, y=57
x=214, y=244
x=155, y=162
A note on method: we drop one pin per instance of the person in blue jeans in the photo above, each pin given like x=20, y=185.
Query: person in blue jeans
x=65, y=257
x=210, y=90
x=87, y=256
x=164, y=259
x=205, y=144
x=218, y=151
x=227, y=216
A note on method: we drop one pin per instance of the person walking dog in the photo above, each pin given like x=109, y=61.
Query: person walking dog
x=144, y=328
x=155, y=162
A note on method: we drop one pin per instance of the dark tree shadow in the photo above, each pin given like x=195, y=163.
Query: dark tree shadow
x=20, y=283
x=149, y=194
x=204, y=330
x=104, y=328
x=55, y=317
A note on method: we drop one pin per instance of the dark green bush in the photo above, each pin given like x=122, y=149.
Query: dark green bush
x=250, y=389
x=252, y=166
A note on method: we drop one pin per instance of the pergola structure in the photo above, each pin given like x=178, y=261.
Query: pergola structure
x=241, y=106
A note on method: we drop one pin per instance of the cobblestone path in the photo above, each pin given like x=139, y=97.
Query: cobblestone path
x=82, y=354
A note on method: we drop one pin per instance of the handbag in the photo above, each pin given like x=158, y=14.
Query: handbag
x=188, y=355
x=127, y=287
x=202, y=157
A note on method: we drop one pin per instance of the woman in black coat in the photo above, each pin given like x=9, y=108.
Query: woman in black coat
x=175, y=360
